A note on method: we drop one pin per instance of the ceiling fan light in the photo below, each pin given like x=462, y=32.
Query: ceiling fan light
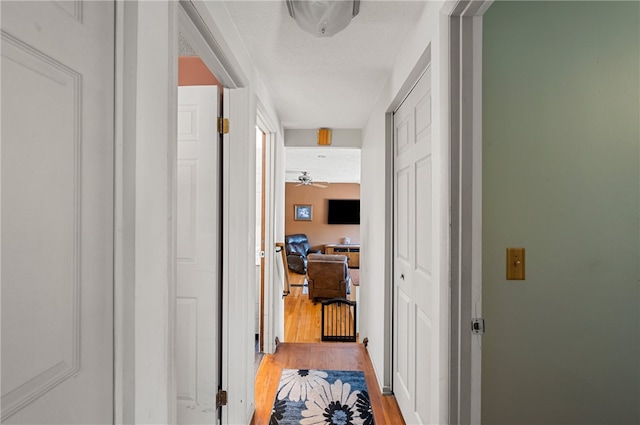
x=323, y=18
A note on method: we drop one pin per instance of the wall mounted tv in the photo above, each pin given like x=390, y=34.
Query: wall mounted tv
x=344, y=211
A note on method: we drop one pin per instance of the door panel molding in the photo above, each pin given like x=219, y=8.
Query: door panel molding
x=186, y=249
x=186, y=348
x=73, y=8
x=27, y=67
x=415, y=316
x=57, y=204
x=198, y=196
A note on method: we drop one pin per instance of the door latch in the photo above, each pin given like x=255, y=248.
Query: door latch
x=477, y=326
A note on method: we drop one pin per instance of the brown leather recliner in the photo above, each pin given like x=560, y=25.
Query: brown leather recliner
x=328, y=276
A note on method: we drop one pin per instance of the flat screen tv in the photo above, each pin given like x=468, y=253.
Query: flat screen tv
x=344, y=211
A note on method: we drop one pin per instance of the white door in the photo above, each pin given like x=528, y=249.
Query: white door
x=57, y=212
x=197, y=345
x=415, y=366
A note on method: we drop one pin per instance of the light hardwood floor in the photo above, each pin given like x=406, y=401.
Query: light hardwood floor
x=303, y=350
x=301, y=316
x=329, y=356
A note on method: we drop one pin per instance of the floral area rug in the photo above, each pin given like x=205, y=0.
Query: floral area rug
x=319, y=397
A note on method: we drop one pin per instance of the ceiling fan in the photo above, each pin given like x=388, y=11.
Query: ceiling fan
x=306, y=180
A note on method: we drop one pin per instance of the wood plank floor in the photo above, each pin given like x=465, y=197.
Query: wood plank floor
x=303, y=350
x=301, y=316
x=330, y=356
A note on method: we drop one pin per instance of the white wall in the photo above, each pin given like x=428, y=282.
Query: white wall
x=374, y=251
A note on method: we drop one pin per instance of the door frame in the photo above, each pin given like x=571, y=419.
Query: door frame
x=144, y=235
x=271, y=294
x=238, y=194
x=460, y=47
x=261, y=212
x=462, y=39
x=145, y=209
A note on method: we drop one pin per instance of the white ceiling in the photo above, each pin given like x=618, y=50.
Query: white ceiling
x=333, y=165
x=324, y=82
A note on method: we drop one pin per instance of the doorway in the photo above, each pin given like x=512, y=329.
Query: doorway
x=198, y=350
x=416, y=367
x=149, y=202
x=322, y=202
x=261, y=142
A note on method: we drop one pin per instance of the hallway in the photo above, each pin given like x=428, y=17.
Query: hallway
x=305, y=351
x=327, y=356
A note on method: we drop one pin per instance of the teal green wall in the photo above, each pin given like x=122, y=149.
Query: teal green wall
x=561, y=177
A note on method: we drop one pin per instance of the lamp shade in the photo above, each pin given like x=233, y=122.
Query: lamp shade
x=323, y=18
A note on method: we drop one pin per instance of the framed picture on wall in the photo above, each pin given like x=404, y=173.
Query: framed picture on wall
x=303, y=212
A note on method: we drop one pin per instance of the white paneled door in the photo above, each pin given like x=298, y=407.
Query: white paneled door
x=415, y=318
x=57, y=212
x=197, y=345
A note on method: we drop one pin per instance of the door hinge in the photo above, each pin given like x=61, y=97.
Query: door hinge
x=477, y=326
x=223, y=125
x=221, y=399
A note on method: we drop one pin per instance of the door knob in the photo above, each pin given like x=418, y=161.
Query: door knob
x=402, y=276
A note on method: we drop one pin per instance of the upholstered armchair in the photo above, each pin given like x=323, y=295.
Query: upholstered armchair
x=328, y=276
x=297, y=248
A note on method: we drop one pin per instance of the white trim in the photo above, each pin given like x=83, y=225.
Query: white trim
x=144, y=211
x=206, y=38
x=463, y=26
x=270, y=288
x=387, y=372
x=476, y=243
x=264, y=120
x=238, y=266
x=238, y=221
x=124, y=242
x=226, y=231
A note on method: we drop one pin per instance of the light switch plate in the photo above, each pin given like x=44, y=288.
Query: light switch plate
x=515, y=263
